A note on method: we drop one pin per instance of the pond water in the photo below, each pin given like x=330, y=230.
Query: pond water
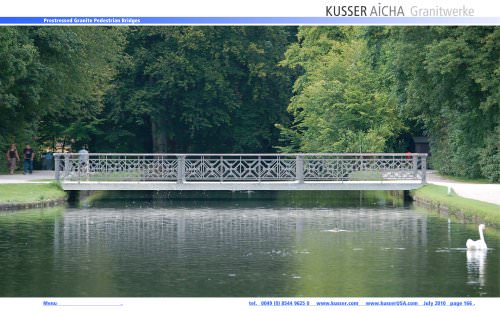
x=248, y=244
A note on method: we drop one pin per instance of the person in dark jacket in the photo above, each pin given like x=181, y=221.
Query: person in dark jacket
x=29, y=156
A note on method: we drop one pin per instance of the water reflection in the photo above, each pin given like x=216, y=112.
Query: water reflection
x=234, y=248
x=235, y=251
x=476, y=266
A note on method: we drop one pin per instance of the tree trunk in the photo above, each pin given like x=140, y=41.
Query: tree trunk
x=159, y=135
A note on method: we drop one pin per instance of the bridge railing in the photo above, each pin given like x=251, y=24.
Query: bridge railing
x=240, y=167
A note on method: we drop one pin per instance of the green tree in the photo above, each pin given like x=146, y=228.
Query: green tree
x=447, y=78
x=80, y=63
x=194, y=89
x=19, y=86
x=52, y=80
x=341, y=103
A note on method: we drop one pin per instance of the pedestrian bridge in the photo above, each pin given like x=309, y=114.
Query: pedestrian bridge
x=237, y=172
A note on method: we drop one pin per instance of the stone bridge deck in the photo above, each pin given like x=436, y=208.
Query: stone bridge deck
x=234, y=172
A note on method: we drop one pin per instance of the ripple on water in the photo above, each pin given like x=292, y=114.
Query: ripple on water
x=220, y=250
x=304, y=252
x=450, y=249
x=335, y=230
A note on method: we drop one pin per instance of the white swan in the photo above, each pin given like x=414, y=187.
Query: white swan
x=479, y=244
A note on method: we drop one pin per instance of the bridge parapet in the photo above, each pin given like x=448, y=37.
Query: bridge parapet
x=240, y=168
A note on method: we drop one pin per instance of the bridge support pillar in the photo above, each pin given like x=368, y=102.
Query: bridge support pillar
x=424, y=170
x=57, y=164
x=181, y=168
x=415, y=166
x=299, y=168
x=67, y=167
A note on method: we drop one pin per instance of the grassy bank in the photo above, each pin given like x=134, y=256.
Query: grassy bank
x=32, y=215
x=29, y=193
x=467, y=209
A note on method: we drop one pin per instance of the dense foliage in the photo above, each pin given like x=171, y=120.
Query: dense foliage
x=199, y=89
x=341, y=103
x=448, y=78
x=52, y=80
x=365, y=89
x=256, y=89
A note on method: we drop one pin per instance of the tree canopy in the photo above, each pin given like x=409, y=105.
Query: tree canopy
x=52, y=81
x=195, y=89
x=448, y=79
x=341, y=103
x=256, y=89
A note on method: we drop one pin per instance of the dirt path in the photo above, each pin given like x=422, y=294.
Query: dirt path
x=36, y=177
x=483, y=192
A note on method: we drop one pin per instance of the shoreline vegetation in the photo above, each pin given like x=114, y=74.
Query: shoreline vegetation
x=28, y=195
x=467, y=210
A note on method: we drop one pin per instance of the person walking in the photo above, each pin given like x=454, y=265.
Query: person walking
x=29, y=156
x=12, y=158
x=84, y=162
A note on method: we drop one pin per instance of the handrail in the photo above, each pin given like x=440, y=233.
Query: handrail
x=240, y=167
x=245, y=154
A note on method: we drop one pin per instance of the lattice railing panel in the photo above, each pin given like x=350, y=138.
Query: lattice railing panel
x=240, y=167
